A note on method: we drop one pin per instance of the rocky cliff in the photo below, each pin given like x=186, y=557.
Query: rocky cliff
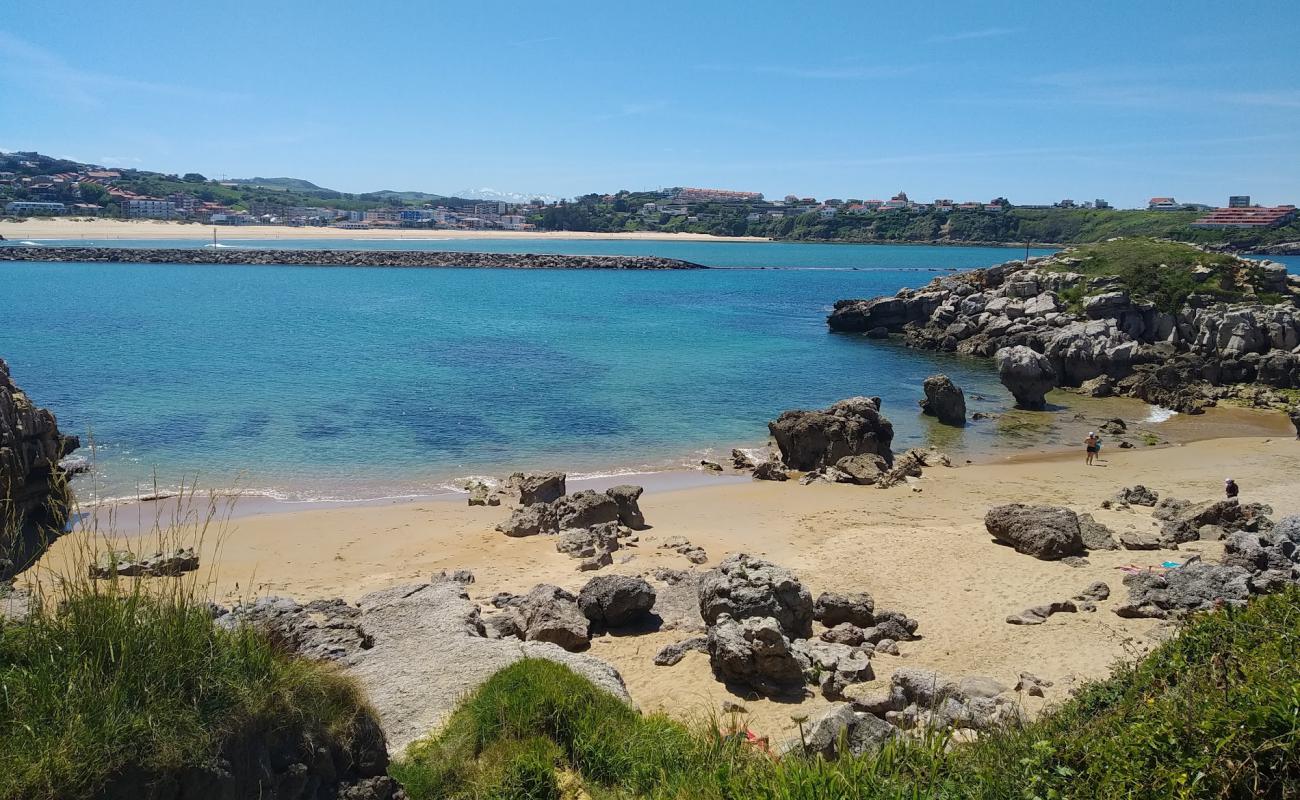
x=1224, y=323
x=33, y=487
x=339, y=258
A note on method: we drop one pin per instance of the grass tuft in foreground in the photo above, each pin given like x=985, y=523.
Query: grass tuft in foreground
x=126, y=681
x=1212, y=713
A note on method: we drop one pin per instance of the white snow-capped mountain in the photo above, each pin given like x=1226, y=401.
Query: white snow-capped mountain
x=503, y=197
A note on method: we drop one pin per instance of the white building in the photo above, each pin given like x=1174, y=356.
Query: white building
x=29, y=207
x=150, y=209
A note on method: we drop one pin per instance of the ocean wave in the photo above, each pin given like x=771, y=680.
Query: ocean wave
x=1159, y=414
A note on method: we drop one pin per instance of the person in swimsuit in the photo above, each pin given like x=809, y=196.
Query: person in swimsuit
x=1092, y=444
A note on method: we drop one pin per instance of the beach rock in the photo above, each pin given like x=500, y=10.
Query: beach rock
x=126, y=564
x=741, y=461
x=325, y=630
x=1139, y=540
x=755, y=654
x=744, y=586
x=710, y=466
x=930, y=700
x=944, y=400
x=1096, y=536
x=16, y=603
x=34, y=495
x=1044, y=532
x=834, y=666
x=1272, y=556
x=770, y=471
x=862, y=734
x=538, y=487
x=679, y=544
x=1028, y=375
x=615, y=601
x=677, y=599
x=530, y=520
x=892, y=625
x=589, y=542
x=596, y=561
x=586, y=508
x=1137, y=496
x=1097, y=590
x=834, y=608
x=811, y=439
x=1037, y=615
x=1294, y=415
x=887, y=646
x=1032, y=685
x=629, y=509
x=1194, y=586
x=865, y=470
x=675, y=652
x=550, y=614
x=1184, y=524
x=845, y=633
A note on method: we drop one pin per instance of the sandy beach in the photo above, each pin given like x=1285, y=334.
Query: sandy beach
x=918, y=548
x=93, y=230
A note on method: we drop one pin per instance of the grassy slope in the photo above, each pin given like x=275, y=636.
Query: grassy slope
x=1161, y=271
x=119, y=679
x=1213, y=713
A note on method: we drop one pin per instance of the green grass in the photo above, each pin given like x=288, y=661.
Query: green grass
x=122, y=680
x=1213, y=713
x=1161, y=271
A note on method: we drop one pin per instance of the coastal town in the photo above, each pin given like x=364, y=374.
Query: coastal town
x=27, y=189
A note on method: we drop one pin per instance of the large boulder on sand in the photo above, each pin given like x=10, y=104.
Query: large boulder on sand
x=585, y=509
x=944, y=400
x=530, y=521
x=743, y=586
x=1195, y=586
x=812, y=439
x=550, y=614
x=1028, y=375
x=754, y=653
x=629, y=510
x=1044, y=532
x=833, y=608
x=616, y=600
x=538, y=487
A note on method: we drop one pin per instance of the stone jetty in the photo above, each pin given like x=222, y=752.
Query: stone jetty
x=338, y=258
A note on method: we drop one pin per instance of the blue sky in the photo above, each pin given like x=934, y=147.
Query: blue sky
x=1036, y=102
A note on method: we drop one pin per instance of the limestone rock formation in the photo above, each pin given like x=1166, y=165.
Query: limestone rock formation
x=944, y=400
x=34, y=496
x=629, y=509
x=1044, y=532
x=743, y=586
x=615, y=601
x=538, y=487
x=1194, y=586
x=129, y=565
x=834, y=608
x=808, y=440
x=1028, y=375
x=754, y=653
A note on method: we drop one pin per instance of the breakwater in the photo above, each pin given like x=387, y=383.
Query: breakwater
x=340, y=258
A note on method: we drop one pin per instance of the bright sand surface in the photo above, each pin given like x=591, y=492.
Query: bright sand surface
x=918, y=548
x=96, y=229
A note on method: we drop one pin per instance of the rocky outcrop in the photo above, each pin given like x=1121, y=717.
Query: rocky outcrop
x=340, y=258
x=1028, y=375
x=833, y=608
x=672, y=654
x=944, y=400
x=1044, y=532
x=1194, y=586
x=1137, y=496
x=861, y=733
x=808, y=440
x=34, y=496
x=1114, y=342
x=538, y=487
x=921, y=698
x=755, y=654
x=743, y=586
x=770, y=471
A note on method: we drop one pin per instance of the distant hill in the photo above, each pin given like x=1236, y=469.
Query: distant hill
x=283, y=184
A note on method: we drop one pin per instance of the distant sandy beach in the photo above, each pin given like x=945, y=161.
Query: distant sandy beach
x=109, y=229
x=919, y=548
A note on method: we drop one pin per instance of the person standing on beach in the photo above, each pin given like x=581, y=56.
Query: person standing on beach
x=1230, y=488
x=1092, y=444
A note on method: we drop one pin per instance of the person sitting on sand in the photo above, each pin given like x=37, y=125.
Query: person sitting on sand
x=1230, y=488
x=1092, y=444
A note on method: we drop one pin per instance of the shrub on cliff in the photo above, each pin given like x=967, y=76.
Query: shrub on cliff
x=119, y=687
x=1214, y=712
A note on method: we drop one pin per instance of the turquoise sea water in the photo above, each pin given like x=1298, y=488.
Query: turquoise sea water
x=346, y=383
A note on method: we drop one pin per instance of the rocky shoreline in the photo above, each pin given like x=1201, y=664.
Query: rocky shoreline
x=340, y=258
x=1048, y=324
